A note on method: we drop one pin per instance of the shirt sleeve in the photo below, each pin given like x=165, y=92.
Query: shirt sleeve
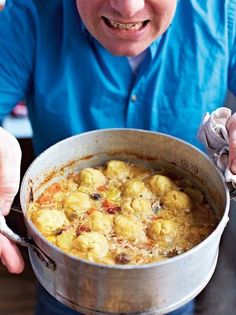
x=17, y=46
x=232, y=46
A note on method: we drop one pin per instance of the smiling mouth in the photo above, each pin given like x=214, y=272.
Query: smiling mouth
x=125, y=26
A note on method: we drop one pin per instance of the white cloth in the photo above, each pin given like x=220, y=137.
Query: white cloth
x=213, y=134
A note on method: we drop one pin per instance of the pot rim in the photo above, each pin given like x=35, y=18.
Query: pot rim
x=219, y=229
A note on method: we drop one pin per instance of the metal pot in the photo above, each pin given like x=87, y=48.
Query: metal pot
x=92, y=288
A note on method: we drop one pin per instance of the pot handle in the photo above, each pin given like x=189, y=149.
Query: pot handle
x=23, y=241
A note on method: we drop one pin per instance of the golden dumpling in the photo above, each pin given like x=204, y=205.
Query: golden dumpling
x=177, y=200
x=139, y=206
x=76, y=203
x=162, y=229
x=129, y=229
x=160, y=184
x=135, y=188
x=65, y=240
x=92, y=245
x=48, y=222
x=117, y=170
x=52, y=239
x=112, y=194
x=100, y=222
x=91, y=177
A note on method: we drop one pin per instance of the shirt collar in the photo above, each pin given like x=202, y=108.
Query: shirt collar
x=154, y=46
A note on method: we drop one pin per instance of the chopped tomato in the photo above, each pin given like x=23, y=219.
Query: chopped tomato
x=90, y=210
x=101, y=188
x=44, y=199
x=111, y=208
x=82, y=229
x=47, y=196
x=54, y=188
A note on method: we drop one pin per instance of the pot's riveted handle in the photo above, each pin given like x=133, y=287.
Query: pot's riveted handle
x=5, y=230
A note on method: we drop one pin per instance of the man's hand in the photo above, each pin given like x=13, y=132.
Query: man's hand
x=231, y=126
x=10, y=158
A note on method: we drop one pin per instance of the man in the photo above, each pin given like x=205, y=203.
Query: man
x=68, y=60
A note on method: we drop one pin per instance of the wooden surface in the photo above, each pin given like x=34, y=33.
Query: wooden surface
x=17, y=292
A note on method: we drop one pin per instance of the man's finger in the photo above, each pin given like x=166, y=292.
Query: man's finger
x=10, y=158
x=10, y=255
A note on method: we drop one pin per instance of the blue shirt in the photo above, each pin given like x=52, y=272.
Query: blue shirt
x=72, y=84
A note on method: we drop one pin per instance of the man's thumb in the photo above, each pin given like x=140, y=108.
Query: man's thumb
x=10, y=158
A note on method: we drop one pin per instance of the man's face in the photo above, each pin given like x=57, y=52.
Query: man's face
x=126, y=27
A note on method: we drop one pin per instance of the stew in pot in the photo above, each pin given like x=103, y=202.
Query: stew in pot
x=123, y=213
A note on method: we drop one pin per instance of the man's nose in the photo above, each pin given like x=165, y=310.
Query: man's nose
x=127, y=8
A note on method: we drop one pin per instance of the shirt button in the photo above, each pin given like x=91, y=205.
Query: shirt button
x=134, y=97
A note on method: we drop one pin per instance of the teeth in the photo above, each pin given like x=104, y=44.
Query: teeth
x=126, y=26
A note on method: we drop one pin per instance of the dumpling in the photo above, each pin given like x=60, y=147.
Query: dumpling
x=52, y=239
x=129, y=229
x=139, y=206
x=76, y=203
x=100, y=222
x=135, y=188
x=177, y=200
x=160, y=184
x=117, y=170
x=48, y=222
x=93, y=245
x=91, y=177
x=162, y=229
x=113, y=194
x=65, y=240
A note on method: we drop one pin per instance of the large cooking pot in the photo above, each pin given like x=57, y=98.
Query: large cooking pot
x=92, y=288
